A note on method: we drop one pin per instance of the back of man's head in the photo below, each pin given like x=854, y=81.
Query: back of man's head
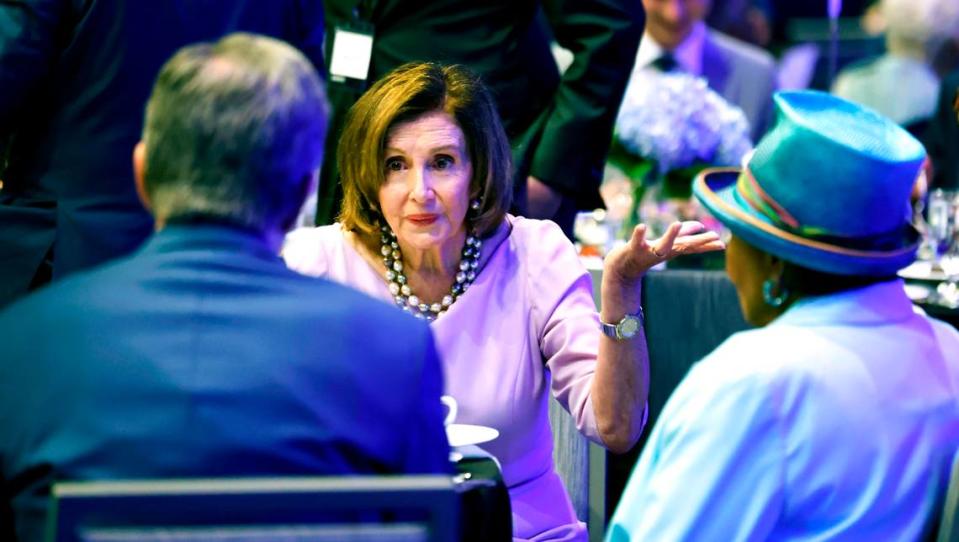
x=234, y=132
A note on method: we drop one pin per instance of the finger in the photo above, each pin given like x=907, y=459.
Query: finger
x=690, y=227
x=664, y=244
x=695, y=244
x=639, y=235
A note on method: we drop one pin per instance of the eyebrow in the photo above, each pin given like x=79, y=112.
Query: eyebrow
x=438, y=148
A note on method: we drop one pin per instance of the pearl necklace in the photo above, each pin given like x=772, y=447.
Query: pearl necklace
x=404, y=296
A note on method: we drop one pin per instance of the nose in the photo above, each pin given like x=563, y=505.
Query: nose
x=422, y=189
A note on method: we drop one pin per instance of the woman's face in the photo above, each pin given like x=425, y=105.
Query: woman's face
x=748, y=268
x=425, y=194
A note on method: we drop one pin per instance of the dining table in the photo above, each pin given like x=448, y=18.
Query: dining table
x=929, y=288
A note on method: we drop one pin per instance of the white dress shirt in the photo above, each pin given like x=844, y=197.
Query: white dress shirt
x=688, y=54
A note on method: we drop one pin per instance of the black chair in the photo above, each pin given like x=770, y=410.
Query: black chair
x=348, y=508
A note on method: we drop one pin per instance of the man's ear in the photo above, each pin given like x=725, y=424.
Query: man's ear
x=306, y=192
x=139, y=168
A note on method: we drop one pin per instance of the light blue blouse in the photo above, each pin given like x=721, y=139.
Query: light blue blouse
x=837, y=421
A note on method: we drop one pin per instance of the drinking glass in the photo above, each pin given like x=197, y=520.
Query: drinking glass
x=942, y=231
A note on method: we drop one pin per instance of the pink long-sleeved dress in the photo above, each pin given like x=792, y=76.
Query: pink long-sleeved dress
x=527, y=326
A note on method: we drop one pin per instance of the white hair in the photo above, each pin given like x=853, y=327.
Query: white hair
x=921, y=21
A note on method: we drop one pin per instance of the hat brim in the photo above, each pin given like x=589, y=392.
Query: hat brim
x=715, y=189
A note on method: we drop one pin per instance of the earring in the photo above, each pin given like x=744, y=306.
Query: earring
x=772, y=299
x=476, y=204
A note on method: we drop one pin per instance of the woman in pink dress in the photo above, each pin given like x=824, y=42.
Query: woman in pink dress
x=425, y=169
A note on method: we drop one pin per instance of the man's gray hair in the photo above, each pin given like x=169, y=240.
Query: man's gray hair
x=920, y=25
x=233, y=131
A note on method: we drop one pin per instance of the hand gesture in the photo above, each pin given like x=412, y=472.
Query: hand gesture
x=630, y=262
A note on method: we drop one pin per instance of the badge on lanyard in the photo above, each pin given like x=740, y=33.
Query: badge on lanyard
x=352, y=51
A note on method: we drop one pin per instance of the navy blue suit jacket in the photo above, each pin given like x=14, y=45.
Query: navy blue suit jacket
x=203, y=355
x=74, y=78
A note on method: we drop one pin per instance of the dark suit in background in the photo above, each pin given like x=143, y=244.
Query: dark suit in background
x=74, y=77
x=202, y=355
x=744, y=75
x=942, y=136
x=559, y=127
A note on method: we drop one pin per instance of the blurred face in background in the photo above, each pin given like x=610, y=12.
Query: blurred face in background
x=670, y=21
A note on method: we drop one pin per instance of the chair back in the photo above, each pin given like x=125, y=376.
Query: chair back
x=688, y=314
x=580, y=463
x=368, y=508
x=949, y=522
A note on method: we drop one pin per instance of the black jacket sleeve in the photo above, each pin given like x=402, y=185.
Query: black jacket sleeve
x=603, y=36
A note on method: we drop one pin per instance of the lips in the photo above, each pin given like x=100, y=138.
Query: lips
x=423, y=219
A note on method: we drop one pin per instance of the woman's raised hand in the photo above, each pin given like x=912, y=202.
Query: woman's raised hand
x=630, y=262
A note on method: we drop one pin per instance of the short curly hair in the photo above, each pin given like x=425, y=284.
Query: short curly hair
x=921, y=21
x=407, y=93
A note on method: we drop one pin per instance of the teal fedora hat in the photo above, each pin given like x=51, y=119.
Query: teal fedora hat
x=827, y=188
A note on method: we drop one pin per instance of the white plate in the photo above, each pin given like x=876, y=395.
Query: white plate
x=461, y=434
x=922, y=270
x=918, y=292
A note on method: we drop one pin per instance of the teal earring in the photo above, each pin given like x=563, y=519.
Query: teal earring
x=771, y=299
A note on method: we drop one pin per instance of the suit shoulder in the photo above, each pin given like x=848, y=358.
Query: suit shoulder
x=376, y=315
x=747, y=53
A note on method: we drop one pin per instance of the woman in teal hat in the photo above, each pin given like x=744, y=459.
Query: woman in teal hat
x=837, y=417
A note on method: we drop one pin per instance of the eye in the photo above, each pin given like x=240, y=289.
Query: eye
x=443, y=162
x=394, y=163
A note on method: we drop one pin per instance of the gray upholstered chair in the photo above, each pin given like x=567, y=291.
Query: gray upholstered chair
x=688, y=314
x=580, y=463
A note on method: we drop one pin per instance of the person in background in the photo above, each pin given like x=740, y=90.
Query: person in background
x=559, y=126
x=425, y=166
x=74, y=77
x=942, y=136
x=676, y=38
x=201, y=354
x=838, y=416
x=902, y=84
x=747, y=20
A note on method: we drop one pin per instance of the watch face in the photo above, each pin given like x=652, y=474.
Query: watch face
x=628, y=327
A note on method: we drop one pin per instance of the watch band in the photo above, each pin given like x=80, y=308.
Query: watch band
x=627, y=328
x=609, y=330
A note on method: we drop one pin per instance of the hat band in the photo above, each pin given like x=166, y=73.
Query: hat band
x=749, y=191
x=763, y=203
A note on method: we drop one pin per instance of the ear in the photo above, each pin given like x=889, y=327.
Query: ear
x=774, y=266
x=139, y=168
x=307, y=187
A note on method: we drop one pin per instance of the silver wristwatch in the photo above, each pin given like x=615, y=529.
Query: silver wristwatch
x=625, y=329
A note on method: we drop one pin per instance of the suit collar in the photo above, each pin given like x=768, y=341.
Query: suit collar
x=210, y=236
x=715, y=64
x=689, y=53
x=877, y=304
